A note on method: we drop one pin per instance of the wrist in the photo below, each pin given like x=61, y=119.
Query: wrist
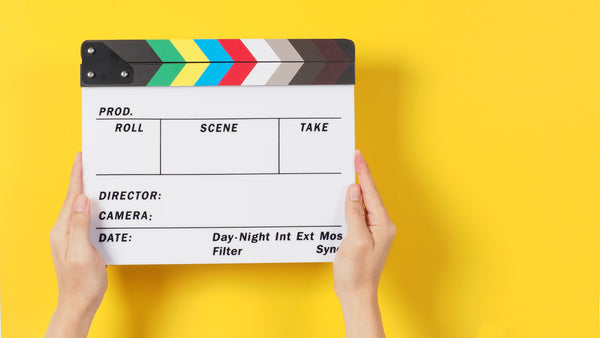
x=357, y=296
x=359, y=299
x=77, y=306
x=70, y=322
x=362, y=317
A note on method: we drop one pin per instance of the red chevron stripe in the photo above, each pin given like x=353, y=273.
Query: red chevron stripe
x=237, y=50
x=237, y=73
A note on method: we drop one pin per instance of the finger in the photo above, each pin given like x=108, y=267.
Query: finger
x=75, y=188
x=355, y=213
x=79, y=226
x=76, y=181
x=373, y=202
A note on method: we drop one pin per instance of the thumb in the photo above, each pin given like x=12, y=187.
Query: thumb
x=355, y=212
x=79, y=227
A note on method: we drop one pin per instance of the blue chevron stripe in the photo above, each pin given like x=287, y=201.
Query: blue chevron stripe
x=213, y=74
x=213, y=50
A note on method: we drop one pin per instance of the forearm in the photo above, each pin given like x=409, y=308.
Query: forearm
x=69, y=324
x=362, y=317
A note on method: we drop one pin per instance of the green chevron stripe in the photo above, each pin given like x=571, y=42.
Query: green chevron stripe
x=166, y=51
x=166, y=74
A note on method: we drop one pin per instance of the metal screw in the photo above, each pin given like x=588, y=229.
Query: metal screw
x=91, y=74
x=91, y=50
x=124, y=74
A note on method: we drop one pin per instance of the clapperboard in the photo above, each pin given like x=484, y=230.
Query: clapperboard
x=217, y=151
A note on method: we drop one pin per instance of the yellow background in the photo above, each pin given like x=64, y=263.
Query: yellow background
x=480, y=120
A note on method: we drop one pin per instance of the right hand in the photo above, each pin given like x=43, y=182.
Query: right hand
x=359, y=262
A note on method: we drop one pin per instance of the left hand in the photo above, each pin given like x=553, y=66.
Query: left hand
x=80, y=268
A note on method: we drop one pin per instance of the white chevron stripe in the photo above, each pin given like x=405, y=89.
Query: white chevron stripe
x=260, y=74
x=260, y=49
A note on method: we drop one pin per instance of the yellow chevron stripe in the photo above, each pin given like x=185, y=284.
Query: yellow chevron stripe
x=189, y=74
x=189, y=50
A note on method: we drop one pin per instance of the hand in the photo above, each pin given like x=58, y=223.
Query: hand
x=80, y=268
x=362, y=254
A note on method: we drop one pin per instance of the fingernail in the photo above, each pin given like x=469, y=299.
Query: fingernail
x=81, y=203
x=355, y=192
x=359, y=159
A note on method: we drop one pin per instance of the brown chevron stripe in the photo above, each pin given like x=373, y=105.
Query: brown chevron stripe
x=284, y=50
x=348, y=47
x=307, y=50
x=284, y=73
x=133, y=50
x=307, y=73
x=331, y=50
x=348, y=76
x=331, y=72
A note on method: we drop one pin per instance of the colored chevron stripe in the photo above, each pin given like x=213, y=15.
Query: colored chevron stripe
x=237, y=50
x=166, y=51
x=220, y=62
x=237, y=74
x=190, y=51
x=166, y=74
x=190, y=74
x=213, y=50
x=213, y=75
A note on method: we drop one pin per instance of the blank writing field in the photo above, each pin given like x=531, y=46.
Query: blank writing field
x=125, y=147
x=219, y=146
x=311, y=146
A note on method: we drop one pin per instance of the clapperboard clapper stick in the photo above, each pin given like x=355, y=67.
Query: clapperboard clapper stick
x=217, y=150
